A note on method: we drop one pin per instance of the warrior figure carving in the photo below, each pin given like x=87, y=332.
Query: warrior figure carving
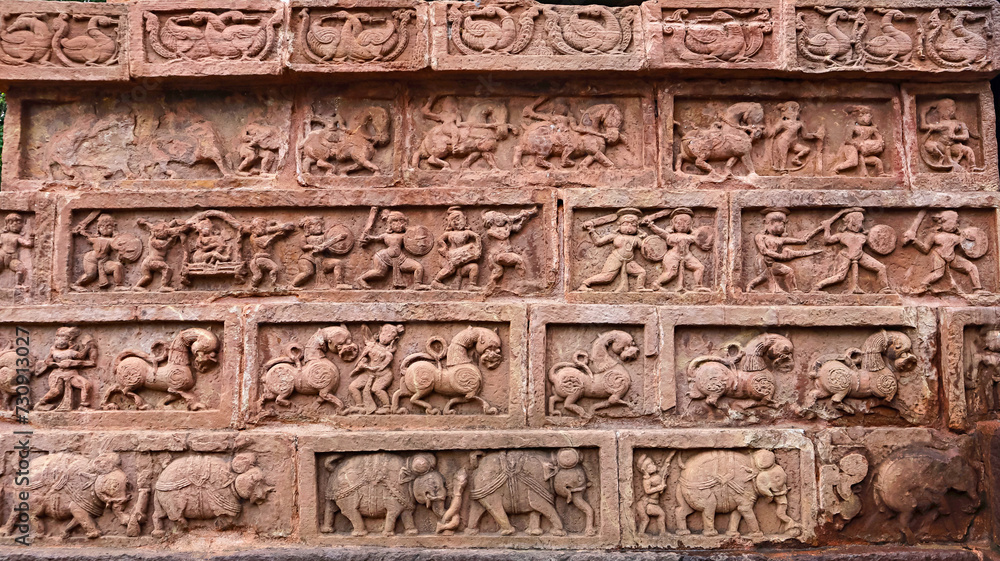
x=557, y=133
x=730, y=138
x=475, y=138
x=943, y=146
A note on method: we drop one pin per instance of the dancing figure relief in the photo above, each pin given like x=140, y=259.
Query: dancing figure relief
x=344, y=36
x=72, y=353
x=789, y=137
x=727, y=36
x=373, y=371
x=944, y=144
x=863, y=145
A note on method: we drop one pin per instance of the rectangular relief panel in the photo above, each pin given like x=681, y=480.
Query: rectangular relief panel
x=689, y=34
x=120, y=367
x=146, y=140
x=493, y=134
x=330, y=36
x=25, y=248
x=388, y=366
x=206, y=38
x=163, y=490
x=913, y=486
x=951, y=136
x=970, y=347
x=593, y=365
x=888, y=36
x=63, y=41
x=704, y=489
x=781, y=135
x=534, y=36
x=827, y=248
x=350, y=136
x=459, y=489
x=373, y=246
x=745, y=366
x=645, y=246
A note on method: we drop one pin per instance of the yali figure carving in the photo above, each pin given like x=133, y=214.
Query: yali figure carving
x=602, y=374
x=746, y=374
x=308, y=371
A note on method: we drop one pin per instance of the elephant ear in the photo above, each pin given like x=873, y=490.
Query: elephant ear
x=549, y=470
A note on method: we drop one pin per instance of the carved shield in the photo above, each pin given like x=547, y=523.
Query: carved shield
x=418, y=240
x=344, y=239
x=128, y=246
x=704, y=237
x=975, y=242
x=882, y=239
x=653, y=248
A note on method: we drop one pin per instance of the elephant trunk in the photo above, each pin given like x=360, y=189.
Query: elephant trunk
x=450, y=518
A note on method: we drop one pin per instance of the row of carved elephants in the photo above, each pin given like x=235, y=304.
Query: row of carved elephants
x=431, y=366
x=747, y=247
x=494, y=134
x=65, y=41
x=694, y=488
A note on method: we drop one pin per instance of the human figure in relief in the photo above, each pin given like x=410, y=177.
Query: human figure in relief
x=501, y=254
x=851, y=254
x=393, y=258
x=162, y=235
x=679, y=238
x=461, y=248
x=621, y=261
x=11, y=242
x=863, y=146
x=773, y=256
x=101, y=260
x=942, y=244
x=374, y=372
x=790, y=135
x=262, y=235
x=654, y=483
x=68, y=356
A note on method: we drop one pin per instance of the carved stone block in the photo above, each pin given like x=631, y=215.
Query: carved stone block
x=44, y=41
x=593, y=364
x=950, y=132
x=751, y=365
x=121, y=367
x=505, y=135
x=837, y=248
x=970, y=347
x=164, y=490
x=781, y=135
x=146, y=140
x=351, y=245
x=713, y=34
x=893, y=485
x=388, y=366
x=887, y=36
x=711, y=489
x=215, y=37
x=350, y=136
x=459, y=489
x=535, y=36
x=25, y=248
x=643, y=246
x=332, y=36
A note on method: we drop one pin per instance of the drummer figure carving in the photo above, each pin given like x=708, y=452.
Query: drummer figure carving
x=679, y=238
x=621, y=262
x=852, y=256
x=941, y=244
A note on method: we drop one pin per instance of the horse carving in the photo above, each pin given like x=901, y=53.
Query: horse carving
x=336, y=142
x=477, y=137
x=746, y=374
x=870, y=372
x=558, y=134
x=171, y=368
x=601, y=374
x=459, y=378
x=730, y=138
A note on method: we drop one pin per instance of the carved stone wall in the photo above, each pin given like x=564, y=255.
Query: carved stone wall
x=393, y=279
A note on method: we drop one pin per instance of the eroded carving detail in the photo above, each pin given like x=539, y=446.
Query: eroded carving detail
x=790, y=135
x=558, y=133
x=864, y=144
x=730, y=138
x=943, y=243
x=336, y=142
x=982, y=381
x=374, y=371
x=12, y=239
x=54, y=40
x=730, y=35
x=944, y=144
x=838, y=496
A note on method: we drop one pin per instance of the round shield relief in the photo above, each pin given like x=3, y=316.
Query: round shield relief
x=704, y=237
x=128, y=246
x=975, y=242
x=339, y=239
x=418, y=240
x=653, y=248
x=882, y=239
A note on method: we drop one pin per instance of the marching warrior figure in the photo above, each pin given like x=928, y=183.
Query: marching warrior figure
x=101, y=260
x=679, y=238
x=852, y=240
x=943, y=243
x=620, y=264
x=394, y=257
x=316, y=244
x=772, y=253
x=11, y=242
x=375, y=368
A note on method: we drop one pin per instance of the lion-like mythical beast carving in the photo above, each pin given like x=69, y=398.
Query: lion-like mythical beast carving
x=746, y=374
x=601, y=374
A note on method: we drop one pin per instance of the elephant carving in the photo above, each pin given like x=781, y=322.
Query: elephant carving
x=731, y=481
x=66, y=486
x=204, y=487
x=382, y=485
x=923, y=480
x=747, y=374
x=527, y=482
